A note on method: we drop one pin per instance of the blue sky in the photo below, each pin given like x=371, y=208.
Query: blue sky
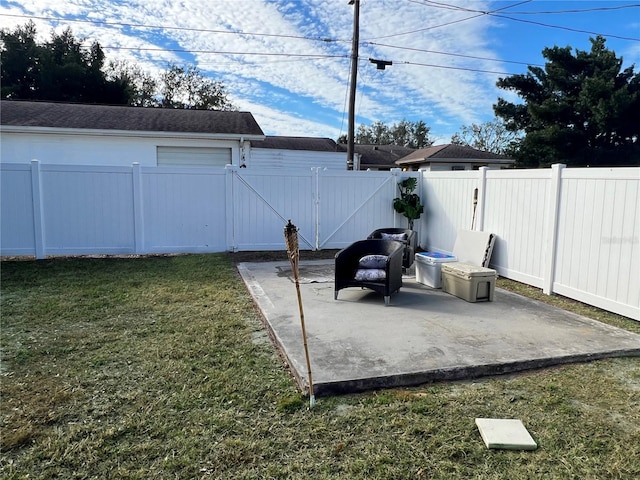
x=288, y=61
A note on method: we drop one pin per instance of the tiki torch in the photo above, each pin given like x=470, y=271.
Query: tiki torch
x=293, y=251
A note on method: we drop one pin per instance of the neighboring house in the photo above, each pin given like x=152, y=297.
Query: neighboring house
x=453, y=157
x=376, y=157
x=296, y=152
x=81, y=134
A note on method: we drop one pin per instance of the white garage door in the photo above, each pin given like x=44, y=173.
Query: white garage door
x=193, y=156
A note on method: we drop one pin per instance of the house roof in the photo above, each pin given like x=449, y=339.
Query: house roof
x=104, y=117
x=297, y=143
x=378, y=155
x=449, y=152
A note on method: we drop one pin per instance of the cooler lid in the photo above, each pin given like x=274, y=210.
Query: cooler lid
x=434, y=257
x=468, y=270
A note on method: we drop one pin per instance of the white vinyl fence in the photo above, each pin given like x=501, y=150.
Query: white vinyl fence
x=83, y=210
x=575, y=232
x=570, y=231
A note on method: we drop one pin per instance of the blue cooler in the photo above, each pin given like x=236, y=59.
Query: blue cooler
x=428, y=267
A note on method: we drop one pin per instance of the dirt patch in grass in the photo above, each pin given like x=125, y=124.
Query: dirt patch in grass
x=158, y=368
x=277, y=256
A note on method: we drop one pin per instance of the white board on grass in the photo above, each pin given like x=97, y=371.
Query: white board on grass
x=508, y=434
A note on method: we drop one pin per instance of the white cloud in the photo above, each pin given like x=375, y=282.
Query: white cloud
x=305, y=95
x=275, y=122
x=321, y=81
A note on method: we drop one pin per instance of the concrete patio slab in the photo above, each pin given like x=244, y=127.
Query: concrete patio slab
x=425, y=335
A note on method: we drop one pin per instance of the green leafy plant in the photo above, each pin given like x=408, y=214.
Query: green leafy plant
x=408, y=203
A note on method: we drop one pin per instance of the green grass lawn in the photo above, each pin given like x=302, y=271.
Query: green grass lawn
x=159, y=368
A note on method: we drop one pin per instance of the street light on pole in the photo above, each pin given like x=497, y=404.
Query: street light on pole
x=354, y=75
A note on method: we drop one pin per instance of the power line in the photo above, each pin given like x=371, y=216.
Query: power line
x=165, y=27
x=292, y=56
x=443, y=6
x=448, y=6
x=269, y=61
x=198, y=30
x=560, y=27
x=479, y=13
x=220, y=52
x=468, y=69
x=456, y=7
x=473, y=57
x=301, y=56
x=427, y=28
x=583, y=10
x=309, y=56
x=493, y=13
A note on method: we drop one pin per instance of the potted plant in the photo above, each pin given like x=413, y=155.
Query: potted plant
x=408, y=203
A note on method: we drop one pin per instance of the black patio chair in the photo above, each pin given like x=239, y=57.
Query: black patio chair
x=409, y=242
x=350, y=266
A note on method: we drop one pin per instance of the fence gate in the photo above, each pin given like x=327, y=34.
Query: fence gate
x=261, y=204
x=330, y=208
x=349, y=203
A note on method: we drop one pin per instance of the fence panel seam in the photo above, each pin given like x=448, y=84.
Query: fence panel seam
x=230, y=222
x=38, y=210
x=138, y=209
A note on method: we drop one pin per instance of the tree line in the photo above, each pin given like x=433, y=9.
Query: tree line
x=64, y=70
x=581, y=109
x=404, y=133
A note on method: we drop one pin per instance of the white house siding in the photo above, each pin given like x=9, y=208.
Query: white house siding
x=194, y=156
x=55, y=147
x=447, y=167
x=275, y=158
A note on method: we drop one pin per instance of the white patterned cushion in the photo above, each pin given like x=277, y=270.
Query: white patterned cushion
x=373, y=261
x=371, y=274
x=401, y=237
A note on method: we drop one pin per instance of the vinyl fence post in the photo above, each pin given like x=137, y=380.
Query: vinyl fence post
x=38, y=210
x=315, y=173
x=138, y=212
x=552, y=228
x=230, y=210
x=482, y=188
x=395, y=175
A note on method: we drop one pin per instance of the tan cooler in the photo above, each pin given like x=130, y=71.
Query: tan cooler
x=468, y=282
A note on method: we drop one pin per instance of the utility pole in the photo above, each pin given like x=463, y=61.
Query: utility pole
x=354, y=75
